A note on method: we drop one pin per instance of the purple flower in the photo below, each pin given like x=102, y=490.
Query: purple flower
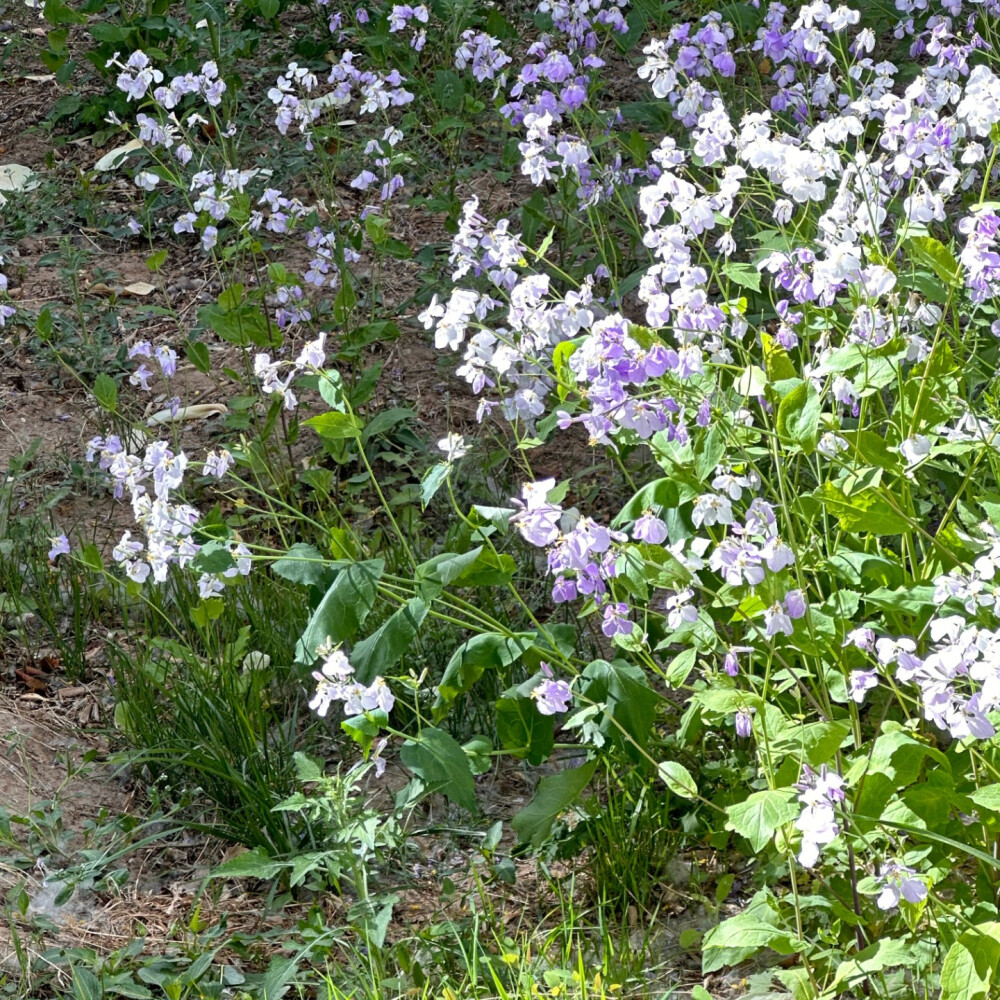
x=537, y=520
x=777, y=555
x=60, y=546
x=217, y=463
x=141, y=377
x=775, y=621
x=819, y=795
x=744, y=722
x=795, y=604
x=861, y=638
x=731, y=663
x=552, y=696
x=738, y=562
x=167, y=357
x=861, y=682
x=649, y=528
x=898, y=882
x=616, y=621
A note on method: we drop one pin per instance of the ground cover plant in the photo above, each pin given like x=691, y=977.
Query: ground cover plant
x=574, y=476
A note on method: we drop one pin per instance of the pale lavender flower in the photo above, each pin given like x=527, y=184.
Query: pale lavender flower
x=141, y=377
x=167, y=357
x=861, y=682
x=60, y=546
x=900, y=882
x=861, y=638
x=777, y=621
x=616, y=620
x=649, y=528
x=217, y=463
x=730, y=662
x=552, y=696
x=818, y=794
x=795, y=604
x=743, y=722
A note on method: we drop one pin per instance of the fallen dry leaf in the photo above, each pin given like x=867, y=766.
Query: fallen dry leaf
x=17, y=177
x=114, y=159
x=71, y=692
x=197, y=412
x=136, y=288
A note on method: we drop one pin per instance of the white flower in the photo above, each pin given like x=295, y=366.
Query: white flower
x=915, y=448
x=453, y=446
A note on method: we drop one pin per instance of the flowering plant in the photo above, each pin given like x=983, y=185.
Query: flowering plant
x=780, y=327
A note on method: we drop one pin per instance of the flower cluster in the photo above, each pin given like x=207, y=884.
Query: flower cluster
x=819, y=794
x=403, y=15
x=335, y=681
x=6, y=311
x=483, y=54
x=166, y=358
x=166, y=525
x=269, y=372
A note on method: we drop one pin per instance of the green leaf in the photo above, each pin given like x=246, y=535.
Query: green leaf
x=343, y=610
x=346, y=299
x=371, y=917
x=278, y=977
x=381, y=651
x=678, y=779
x=238, y=321
x=331, y=388
x=776, y=360
x=446, y=567
x=449, y=90
x=913, y=600
x=934, y=254
x=628, y=699
x=106, y=392
x=197, y=353
x=524, y=732
x=565, y=379
x=739, y=938
x=86, y=986
x=745, y=275
x=987, y=798
x=438, y=760
x=433, y=479
x=865, y=511
x=214, y=557
x=554, y=795
x=660, y=494
x=249, y=864
x=334, y=426
x=123, y=985
x=385, y=420
x=156, y=260
x=488, y=650
x=302, y=564
x=814, y=742
x=798, y=417
x=759, y=816
x=56, y=12
x=884, y=954
x=971, y=965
